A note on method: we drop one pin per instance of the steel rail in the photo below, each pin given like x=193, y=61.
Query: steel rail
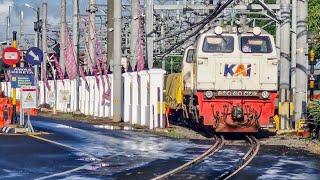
x=246, y=159
x=219, y=143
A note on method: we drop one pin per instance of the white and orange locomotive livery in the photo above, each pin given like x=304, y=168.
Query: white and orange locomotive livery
x=230, y=79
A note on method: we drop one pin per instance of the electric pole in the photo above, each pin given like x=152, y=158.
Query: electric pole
x=7, y=29
x=63, y=31
x=285, y=60
x=38, y=29
x=117, y=84
x=302, y=62
x=134, y=32
x=21, y=29
x=293, y=48
x=9, y=24
x=44, y=44
x=110, y=31
x=149, y=32
x=92, y=26
x=75, y=39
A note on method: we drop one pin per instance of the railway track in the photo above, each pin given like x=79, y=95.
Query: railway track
x=246, y=159
x=219, y=143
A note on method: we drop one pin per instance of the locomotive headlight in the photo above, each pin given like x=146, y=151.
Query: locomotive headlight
x=240, y=30
x=218, y=30
x=265, y=94
x=209, y=94
x=256, y=31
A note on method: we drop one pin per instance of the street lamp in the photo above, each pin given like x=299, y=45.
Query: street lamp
x=37, y=25
x=37, y=28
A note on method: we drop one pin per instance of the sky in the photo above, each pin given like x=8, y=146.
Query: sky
x=30, y=15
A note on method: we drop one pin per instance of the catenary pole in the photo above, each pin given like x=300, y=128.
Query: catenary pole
x=285, y=59
x=110, y=31
x=134, y=33
x=63, y=28
x=149, y=32
x=21, y=28
x=44, y=44
x=92, y=26
x=302, y=60
x=75, y=39
x=293, y=48
x=117, y=89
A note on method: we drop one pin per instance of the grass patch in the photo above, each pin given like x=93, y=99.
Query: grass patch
x=136, y=126
x=175, y=134
x=65, y=116
x=171, y=133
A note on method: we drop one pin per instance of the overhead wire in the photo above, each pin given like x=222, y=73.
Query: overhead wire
x=218, y=9
x=193, y=26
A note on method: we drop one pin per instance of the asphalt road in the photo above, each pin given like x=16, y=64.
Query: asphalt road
x=94, y=152
x=91, y=152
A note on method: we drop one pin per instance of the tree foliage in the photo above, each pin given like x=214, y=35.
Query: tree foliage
x=314, y=117
x=314, y=21
x=172, y=64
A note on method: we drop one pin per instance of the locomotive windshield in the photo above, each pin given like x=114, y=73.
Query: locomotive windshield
x=218, y=44
x=256, y=44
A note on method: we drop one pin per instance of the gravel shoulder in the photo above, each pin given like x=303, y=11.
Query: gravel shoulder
x=312, y=146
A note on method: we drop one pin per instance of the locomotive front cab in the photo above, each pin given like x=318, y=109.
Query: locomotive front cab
x=236, y=79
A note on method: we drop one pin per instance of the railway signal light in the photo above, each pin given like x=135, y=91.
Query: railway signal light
x=311, y=79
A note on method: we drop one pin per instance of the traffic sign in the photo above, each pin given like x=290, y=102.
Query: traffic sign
x=64, y=97
x=11, y=56
x=34, y=56
x=29, y=97
x=21, y=77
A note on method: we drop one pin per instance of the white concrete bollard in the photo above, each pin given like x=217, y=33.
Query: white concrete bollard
x=82, y=96
x=73, y=93
x=144, y=96
x=156, y=98
x=9, y=89
x=135, y=119
x=107, y=105
x=101, y=105
x=96, y=105
x=87, y=97
x=41, y=92
x=111, y=102
x=59, y=104
x=126, y=97
x=92, y=86
x=51, y=84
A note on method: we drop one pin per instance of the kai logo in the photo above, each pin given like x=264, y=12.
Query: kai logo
x=237, y=70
